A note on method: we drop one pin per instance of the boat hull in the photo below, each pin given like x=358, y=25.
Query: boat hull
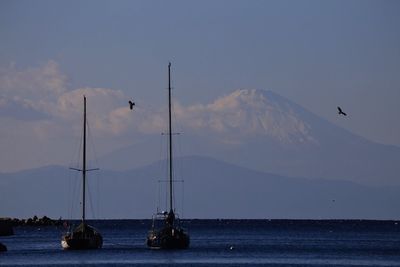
x=81, y=243
x=168, y=238
x=83, y=237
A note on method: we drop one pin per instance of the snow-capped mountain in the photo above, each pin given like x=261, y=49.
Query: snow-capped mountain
x=248, y=113
x=266, y=132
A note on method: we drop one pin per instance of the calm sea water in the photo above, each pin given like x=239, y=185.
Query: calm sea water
x=219, y=243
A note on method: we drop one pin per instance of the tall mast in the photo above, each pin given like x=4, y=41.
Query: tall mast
x=84, y=159
x=170, y=137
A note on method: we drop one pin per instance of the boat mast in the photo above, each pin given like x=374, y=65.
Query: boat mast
x=84, y=159
x=170, y=137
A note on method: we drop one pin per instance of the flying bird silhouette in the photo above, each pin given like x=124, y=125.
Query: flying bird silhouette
x=340, y=112
x=131, y=104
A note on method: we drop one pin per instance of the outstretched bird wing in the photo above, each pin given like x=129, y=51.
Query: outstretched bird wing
x=341, y=112
x=131, y=104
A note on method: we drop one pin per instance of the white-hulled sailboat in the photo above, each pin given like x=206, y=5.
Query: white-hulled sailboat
x=83, y=236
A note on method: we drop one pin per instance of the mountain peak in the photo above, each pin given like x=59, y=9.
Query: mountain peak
x=252, y=92
x=260, y=112
x=252, y=96
x=258, y=94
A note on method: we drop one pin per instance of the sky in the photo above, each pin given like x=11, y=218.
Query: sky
x=319, y=54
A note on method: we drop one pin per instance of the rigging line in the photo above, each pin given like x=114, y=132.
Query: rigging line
x=77, y=176
x=74, y=180
x=76, y=195
x=158, y=197
x=69, y=192
x=77, y=152
x=163, y=167
x=165, y=191
x=98, y=175
x=72, y=198
x=90, y=200
x=177, y=147
x=182, y=194
x=172, y=153
x=92, y=148
x=165, y=164
x=72, y=195
x=181, y=172
x=70, y=177
x=176, y=121
x=177, y=174
x=78, y=155
x=161, y=156
x=158, y=202
x=72, y=183
x=177, y=170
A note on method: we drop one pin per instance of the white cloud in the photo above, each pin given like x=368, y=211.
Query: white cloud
x=30, y=93
x=43, y=82
x=39, y=113
x=41, y=93
x=37, y=102
x=99, y=101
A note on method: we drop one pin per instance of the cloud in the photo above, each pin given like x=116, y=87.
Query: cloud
x=99, y=100
x=37, y=102
x=42, y=82
x=39, y=113
x=29, y=94
x=41, y=93
x=21, y=109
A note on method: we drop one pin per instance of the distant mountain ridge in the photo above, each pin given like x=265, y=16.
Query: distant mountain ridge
x=264, y=131
x=250, y=154
x=212, y=189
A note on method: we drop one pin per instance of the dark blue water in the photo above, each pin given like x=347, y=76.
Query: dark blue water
x=219, y=243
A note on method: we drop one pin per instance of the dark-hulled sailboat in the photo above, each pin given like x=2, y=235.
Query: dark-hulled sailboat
x=169, y=235
x=83, y=236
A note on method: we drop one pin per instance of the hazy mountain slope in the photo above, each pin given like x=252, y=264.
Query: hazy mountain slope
x=213, y=189
x=263, y=131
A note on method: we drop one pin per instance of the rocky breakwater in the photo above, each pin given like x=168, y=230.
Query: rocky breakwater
x=6, y=227
x=5, y=230
x=34, y=221
x=7, y=224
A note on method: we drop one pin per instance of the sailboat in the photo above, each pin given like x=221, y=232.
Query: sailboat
x=83, y=236
x=166, y=232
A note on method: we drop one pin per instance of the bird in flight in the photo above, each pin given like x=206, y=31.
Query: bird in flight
x=340, y=112
x=131, y=104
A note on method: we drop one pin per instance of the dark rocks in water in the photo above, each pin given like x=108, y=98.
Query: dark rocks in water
x=6, y=228
x=34, y=221
x=2, y=247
